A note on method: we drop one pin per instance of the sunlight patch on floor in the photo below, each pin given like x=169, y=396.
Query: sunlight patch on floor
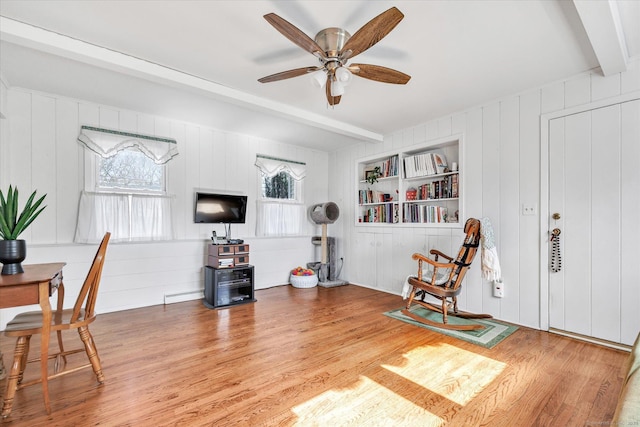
x=449, y=371
x=367, y=403
x=422, y=385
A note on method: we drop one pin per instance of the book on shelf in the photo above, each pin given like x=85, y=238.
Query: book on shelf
x=387, y=213
x=416, y=213
x=445, y=188
x=370, y=196
x=388, y=167
x=424, y=164
x=454, y=185
x=440, y=163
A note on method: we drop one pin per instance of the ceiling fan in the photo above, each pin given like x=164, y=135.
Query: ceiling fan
x=334, y=47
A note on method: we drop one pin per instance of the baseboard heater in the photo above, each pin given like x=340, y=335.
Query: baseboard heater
x=183, y=296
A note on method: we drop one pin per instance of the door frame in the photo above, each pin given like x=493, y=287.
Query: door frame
x=545, y=120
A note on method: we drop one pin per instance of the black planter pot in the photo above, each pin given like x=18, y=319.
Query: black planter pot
x=12, y=253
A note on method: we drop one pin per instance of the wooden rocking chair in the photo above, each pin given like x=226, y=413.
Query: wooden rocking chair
x=443, y=281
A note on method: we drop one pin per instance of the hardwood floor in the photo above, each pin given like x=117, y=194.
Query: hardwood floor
x=319, y=357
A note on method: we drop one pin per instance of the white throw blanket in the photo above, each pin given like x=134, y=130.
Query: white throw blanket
x=489, y=256
x=406, y=288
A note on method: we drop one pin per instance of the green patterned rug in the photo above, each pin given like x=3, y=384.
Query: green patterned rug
x=493, y=333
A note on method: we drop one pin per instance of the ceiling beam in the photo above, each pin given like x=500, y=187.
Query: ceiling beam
x=601, y=20
x=47, y=41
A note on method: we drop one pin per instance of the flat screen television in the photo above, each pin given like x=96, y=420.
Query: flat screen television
x=220, y=208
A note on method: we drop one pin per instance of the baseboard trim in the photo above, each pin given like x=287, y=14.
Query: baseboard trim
x=183, y=296
x=592, y=340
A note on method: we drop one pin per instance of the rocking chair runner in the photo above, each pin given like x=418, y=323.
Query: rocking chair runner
x=444, y=280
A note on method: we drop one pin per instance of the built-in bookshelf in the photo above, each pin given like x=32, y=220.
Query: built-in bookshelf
x=418, y=185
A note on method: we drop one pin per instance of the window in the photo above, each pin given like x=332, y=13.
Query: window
x=280, y=186
x=125, y=188
x=280, y=206
x=130, y=170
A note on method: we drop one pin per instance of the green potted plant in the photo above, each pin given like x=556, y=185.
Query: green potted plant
x=373, y=175
x=12, y=250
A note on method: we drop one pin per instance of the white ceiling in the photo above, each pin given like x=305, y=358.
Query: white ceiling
x=199, y=61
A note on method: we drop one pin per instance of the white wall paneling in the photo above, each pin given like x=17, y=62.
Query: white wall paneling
x=40, y=151
x=43, y=165
x=492, y=167
x=528, y=193
x=605, y=223
x=69, y=170
x=4, y=131
x=19, y=165
x=630, y=206
x=509, y=216
x=473, y=184
x=504, y=163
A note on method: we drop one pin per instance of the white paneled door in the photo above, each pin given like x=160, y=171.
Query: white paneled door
x=594, y=187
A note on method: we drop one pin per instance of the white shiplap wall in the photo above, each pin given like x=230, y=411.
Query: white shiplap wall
x=501, y=172
x=39, y=150
x=502, y=167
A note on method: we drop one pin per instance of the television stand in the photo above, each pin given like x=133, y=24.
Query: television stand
x=228, y=277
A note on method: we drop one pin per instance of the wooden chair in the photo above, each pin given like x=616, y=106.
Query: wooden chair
x=443, y=281
x=25, y=325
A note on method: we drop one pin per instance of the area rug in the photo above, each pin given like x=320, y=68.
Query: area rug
x=493, y=333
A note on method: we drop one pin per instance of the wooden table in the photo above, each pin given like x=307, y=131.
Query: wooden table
x=34, y=286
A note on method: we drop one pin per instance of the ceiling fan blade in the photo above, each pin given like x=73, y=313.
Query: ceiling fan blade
x=371, y=33
x=288, y=74
x=379, y=73
x=291, y=32
x=333, y=100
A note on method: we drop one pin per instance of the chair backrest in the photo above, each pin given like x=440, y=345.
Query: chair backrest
x=467, y=251
x=89, y=291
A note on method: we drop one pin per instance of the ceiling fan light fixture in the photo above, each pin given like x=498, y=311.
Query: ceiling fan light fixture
x=318, y=78
x=337, y=88
x=343, y=75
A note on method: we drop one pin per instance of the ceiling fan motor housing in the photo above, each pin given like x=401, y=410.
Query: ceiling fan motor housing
x=332, y=40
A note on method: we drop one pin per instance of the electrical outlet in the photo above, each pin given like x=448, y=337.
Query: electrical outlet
x=498, y=288
x=528, y=209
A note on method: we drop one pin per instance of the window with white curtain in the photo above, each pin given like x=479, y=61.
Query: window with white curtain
x=125, y=187
x=280, y=207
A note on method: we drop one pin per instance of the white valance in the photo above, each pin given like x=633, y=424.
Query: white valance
x=271, y=166
x=108, y=142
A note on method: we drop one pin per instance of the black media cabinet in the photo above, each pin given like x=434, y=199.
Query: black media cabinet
x=228, y=283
